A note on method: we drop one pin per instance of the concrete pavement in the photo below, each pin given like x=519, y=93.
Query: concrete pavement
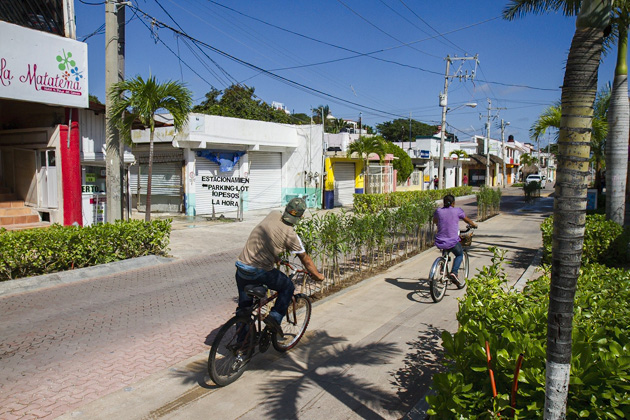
x=128, y=332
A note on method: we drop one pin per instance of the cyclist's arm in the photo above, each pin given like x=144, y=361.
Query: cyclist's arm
x=470, y=222
x=309, y=265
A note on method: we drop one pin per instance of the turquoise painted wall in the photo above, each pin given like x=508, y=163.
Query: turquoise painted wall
x=313, y=196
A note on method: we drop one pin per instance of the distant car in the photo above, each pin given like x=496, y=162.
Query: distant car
x=536, y=178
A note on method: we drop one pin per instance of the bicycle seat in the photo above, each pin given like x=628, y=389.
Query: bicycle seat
x=258, y=291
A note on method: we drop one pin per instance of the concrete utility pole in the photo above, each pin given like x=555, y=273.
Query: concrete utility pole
x=487, y=148
x=503, y=124
x=114, y=72
x=444, y=104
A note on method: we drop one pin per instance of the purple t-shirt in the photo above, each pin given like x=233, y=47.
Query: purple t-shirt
x=447, y=234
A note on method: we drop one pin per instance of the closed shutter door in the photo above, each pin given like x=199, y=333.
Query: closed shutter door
x=344, y=183
x=166, y=179
x=217, y=189
x=265, y=177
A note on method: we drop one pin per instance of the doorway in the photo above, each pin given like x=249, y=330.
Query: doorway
x=47, y=179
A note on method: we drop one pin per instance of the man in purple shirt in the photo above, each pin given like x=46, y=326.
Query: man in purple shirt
x=447, y=237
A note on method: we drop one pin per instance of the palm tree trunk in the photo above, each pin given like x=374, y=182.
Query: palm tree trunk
x=617, y=142
x=147, y=214
x=578, y=95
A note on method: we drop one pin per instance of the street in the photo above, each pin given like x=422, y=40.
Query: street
x=134, y=344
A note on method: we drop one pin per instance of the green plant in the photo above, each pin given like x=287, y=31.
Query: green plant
x=488, y=202
x=604, y=241
x=34, y=252
x=374, y=203
x=515, y=323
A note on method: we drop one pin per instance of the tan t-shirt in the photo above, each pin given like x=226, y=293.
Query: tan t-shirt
x=268, y=240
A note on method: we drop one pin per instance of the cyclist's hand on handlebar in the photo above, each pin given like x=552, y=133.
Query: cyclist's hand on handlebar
x=320, y=278
x=473, y=225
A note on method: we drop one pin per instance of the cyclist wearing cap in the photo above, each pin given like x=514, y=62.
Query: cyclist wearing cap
x=447, y=236
x=274, y=235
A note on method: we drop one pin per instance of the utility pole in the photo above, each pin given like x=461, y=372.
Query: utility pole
x=114, y=72
x=487, y=148
x=503, y=124
x=444, y=104
x=409, y=132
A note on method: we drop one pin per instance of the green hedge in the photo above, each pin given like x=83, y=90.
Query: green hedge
x=33, y=252
x=604, y=240
x=515, y=323
x=373, y=203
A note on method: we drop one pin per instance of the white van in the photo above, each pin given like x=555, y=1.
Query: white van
x=536, y=178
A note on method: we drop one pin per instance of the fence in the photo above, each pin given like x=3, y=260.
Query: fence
x=380, y=180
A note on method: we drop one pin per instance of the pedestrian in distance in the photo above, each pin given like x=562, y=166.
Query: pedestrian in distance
x=447, y=237
x=274, y=235
x=465, y=180
x=436, y=182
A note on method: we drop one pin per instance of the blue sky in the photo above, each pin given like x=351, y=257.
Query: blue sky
x=320, y=49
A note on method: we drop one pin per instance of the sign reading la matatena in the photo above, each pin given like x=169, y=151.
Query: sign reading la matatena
x=36, y=66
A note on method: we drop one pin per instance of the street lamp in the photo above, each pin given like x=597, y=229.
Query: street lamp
x=445, y=109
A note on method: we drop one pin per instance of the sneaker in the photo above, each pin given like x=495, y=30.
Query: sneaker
x=273, y=325
x=455, y=279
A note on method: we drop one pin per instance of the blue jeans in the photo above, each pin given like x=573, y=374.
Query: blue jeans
x=275, y=280
x=458, y=251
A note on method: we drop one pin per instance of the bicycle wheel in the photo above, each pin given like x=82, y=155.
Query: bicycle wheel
x=437, y=279
x=294, y=327
x=463, y=272
x=231, y=350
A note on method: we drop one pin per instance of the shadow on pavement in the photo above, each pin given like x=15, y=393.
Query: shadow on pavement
x=418, y=287
x=319, y=361
x=423, y=360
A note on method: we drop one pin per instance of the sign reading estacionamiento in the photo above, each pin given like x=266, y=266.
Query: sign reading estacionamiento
x=36, y=66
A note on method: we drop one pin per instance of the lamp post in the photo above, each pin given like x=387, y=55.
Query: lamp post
x=445, y=109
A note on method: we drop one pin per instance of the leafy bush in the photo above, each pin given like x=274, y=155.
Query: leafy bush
x=518, y=185
x=531, y=189
x=34, y=252
x=374, y=203
x=515, y=323
x=604, y=240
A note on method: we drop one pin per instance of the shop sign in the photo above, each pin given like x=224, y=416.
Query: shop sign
x=425, y=154
x=89, y=188
x=36, y=66
x=226, y=190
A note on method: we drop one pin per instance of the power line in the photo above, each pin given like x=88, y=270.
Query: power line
x=257, y=68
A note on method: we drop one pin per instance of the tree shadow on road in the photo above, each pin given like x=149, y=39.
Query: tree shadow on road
x=418, y=288
x=319, y=362
x=423, y=360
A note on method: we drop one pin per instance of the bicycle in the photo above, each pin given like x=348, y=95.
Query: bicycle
x=236, y=341
x=439, y=276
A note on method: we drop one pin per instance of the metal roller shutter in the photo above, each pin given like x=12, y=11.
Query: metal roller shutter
x=216, y=188
x=344, y=183
x=265, y=177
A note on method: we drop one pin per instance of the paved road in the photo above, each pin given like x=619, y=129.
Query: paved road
x=64, y=346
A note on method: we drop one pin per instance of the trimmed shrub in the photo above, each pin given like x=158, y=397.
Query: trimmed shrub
x=488, y=202
x=516, y=323
x=604, y=240
x=374, y=203
x=33, y=252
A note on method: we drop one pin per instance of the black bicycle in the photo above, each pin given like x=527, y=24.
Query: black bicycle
x=237, y=340
x=439, y=276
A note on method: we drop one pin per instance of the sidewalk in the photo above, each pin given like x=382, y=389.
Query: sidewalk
x=370, y=350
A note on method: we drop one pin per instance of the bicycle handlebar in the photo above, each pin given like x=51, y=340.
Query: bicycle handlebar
x=468, y=227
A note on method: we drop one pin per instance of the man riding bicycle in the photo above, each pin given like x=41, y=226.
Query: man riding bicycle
x=447, y=237
x=256, y=263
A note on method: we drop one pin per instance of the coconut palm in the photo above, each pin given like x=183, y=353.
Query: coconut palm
x=461, y=154
x=619, y=111
x=136, y=101
x=365, y=146
x=579, y=90
x=527, y=161
x=550, y=118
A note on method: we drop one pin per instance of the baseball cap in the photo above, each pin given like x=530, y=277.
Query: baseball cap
x=294, y=210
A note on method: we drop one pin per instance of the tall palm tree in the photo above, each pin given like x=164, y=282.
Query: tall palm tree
x=550, y=118
x=526, y=160
x=137, y=101
x=618, y=120
x=617, y=170
x=365, y=146
x=579, y=90
x=461, y=154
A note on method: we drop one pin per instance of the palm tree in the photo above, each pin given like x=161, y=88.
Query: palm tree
x=461, y=154
x=526, y=160
x=137, y=101
x=579, y=90
x=550, y=118
x=618, y=119
x=365, y=146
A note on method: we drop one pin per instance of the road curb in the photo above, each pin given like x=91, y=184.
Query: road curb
x=26, y=284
